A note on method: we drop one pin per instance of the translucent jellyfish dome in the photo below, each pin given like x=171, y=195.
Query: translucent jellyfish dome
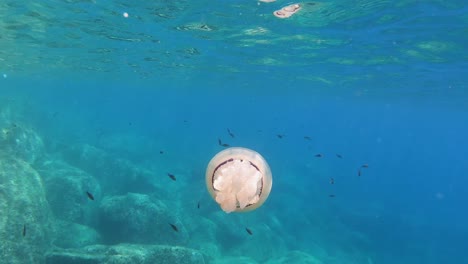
x=238, y=179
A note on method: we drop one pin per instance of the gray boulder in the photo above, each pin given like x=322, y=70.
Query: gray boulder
x=21, y=142
x=139, y=218
x=72, y=235
x=124, y=254
x=295, y=256
x=66, y=188
x=25, y=229
x=203, y=235
x=116, y=175
x=233, y=260
x=262, y=245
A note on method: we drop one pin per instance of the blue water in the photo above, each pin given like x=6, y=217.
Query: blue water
x=378, y=82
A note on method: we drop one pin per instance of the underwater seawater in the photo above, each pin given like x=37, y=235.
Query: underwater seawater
x=111, y=111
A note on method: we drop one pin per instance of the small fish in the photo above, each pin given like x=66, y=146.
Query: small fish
x=319, y=155
x=307, y=138
x=248, y=231
x=331, y=195
x=130, y=123
x=222, y=144
x=90, y=195
x=364, y=166
x=198, y=205
x=280, y=136
x=332, y=181
x=174, y=227
x=339, y=156
x=161, y=152
x=230, y=133
x=172, y=176
x=24, y=230
x=359, y=172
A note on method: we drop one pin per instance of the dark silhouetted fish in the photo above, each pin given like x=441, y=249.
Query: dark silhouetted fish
x=248, y=231
x=331, y=195
x=339, y=156
x=24, y=230
x=365, y=166
x=332, y=181
x=359, y=172
x=172, y=176
x=161, y=152
x=230, y=133
x=319, y=155
x=307, y=138
x=222, y=144
x=174, y=227
x=90, y=195
x=280, y=136
x=198, y=205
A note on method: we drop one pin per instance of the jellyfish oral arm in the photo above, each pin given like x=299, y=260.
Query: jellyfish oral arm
x=237, y=184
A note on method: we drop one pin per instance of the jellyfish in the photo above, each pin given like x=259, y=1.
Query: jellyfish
x=238, y=179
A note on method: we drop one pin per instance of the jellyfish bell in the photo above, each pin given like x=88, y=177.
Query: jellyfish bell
x=238, y=179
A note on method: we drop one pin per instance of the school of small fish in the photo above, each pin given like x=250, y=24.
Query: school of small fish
x=91, y=197
x=318, y=155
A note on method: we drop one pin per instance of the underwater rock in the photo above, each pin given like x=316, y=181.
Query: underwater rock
x=72, y=235
x=202, y=235
x=295, y=257
x=233, y=260
x=230, y=229
x=116, y=175
x=66, y=188
x=262, y=245
x=210, y=250
x=25, y=229
x=138, y=218
x=21, y=142
x=201, y=228
x=124, y=254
